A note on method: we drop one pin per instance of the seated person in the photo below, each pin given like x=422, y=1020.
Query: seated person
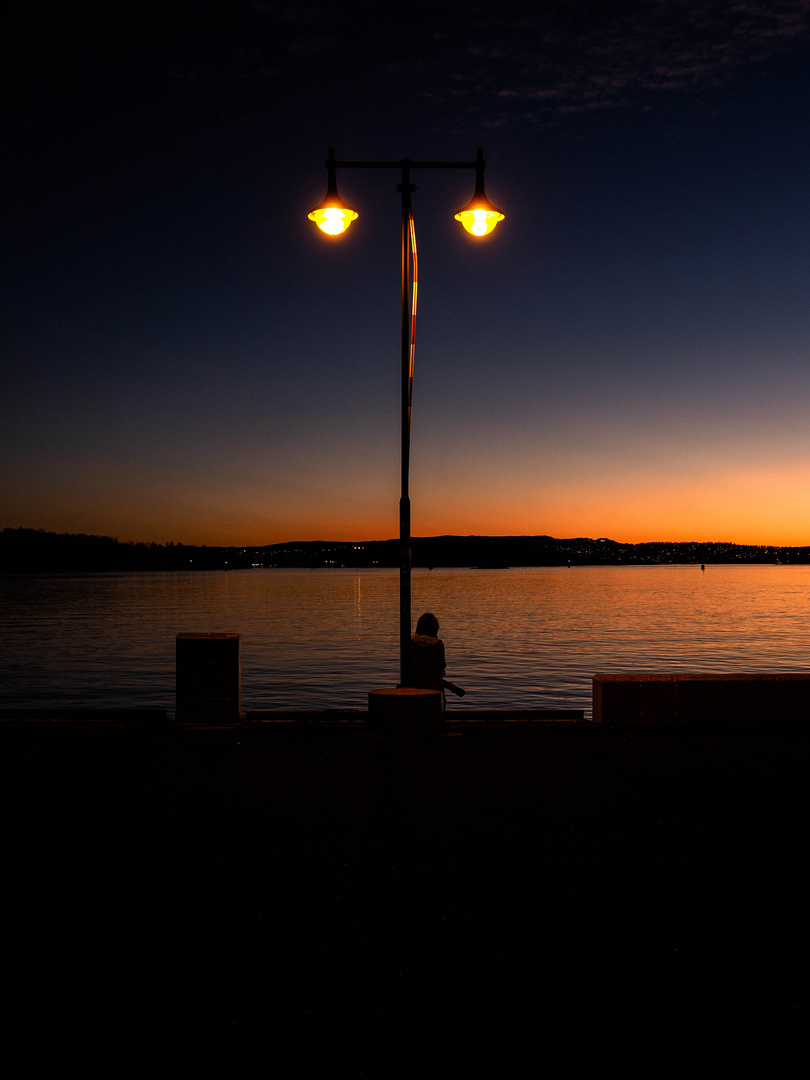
x=427, y=654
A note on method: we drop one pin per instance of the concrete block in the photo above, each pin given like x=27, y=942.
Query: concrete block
x=404, y=710
x=209, y=678
x=651, y=698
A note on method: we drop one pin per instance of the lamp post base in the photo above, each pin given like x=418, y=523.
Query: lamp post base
x=404, y=710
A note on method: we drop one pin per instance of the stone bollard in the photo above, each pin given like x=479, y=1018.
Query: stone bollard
x=209, y=678
x=404, y=710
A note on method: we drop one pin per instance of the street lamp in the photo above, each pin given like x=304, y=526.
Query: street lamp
x=333, y=217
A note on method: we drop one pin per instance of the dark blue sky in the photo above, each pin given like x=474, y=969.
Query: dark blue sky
x=186, y=358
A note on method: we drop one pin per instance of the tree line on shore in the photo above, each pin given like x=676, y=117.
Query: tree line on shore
x=35, y=550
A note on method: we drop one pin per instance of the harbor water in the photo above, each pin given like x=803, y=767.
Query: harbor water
x=515, y=638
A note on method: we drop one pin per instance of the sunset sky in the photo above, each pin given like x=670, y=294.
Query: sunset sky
x=186, y=358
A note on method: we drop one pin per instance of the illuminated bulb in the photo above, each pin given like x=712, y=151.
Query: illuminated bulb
x=480, y=225
x=479, y=220
x=333, y=220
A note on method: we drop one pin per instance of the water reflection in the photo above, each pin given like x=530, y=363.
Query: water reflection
x=322, y=638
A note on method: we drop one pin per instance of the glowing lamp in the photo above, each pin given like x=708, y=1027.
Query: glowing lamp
x=332, y=215
x=479, y=216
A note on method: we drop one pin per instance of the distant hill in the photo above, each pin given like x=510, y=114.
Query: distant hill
x=34, y=550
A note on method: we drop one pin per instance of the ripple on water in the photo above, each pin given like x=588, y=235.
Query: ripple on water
x=517, y=638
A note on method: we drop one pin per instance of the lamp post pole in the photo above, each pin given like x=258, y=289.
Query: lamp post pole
x=405, y=559
x=478, y=217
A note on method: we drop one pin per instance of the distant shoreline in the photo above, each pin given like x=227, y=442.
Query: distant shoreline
x=35, y=550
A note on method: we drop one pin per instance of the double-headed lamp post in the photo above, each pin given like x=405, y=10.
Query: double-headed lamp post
x=479, y=217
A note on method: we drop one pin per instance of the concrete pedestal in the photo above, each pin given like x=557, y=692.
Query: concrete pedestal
x=209, y=678
x=404, y=710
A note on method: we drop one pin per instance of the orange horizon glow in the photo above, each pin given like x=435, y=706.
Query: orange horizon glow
x=760, y=506
x=341, y=532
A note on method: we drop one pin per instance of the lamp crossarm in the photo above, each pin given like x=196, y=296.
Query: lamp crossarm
x=405, y=163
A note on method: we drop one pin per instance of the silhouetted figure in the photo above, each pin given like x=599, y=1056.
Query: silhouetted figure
x=427, y=654
x=427, y=657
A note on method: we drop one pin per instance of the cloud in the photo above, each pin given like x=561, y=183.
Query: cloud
x=582, y=55
x=312, y=45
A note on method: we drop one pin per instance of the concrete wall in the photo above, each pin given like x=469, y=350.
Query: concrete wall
x=682, y=698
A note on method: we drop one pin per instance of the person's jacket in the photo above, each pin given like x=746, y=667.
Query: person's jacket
x=427, y=662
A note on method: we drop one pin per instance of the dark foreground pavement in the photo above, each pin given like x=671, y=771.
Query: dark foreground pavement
x=541, y=900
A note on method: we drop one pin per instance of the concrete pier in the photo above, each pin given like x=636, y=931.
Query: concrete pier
x=316, y=900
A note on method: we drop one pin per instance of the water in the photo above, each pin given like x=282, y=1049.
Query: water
x=520, y=638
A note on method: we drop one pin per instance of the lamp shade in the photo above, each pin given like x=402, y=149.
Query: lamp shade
x=332, y=215
x=479, y=216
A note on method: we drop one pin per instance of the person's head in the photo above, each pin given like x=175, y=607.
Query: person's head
x=428, y=624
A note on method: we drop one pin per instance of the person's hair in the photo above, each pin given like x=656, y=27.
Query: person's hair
x=428, y=624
